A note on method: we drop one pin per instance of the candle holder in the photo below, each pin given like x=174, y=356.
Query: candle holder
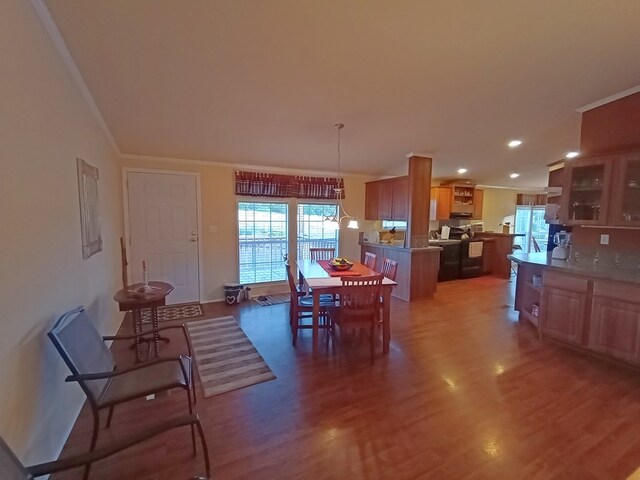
x=145, y=279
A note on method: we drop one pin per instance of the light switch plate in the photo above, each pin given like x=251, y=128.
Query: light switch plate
x=604, y=239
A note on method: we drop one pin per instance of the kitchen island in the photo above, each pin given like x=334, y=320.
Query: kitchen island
x=586, y=305
x=417, y=274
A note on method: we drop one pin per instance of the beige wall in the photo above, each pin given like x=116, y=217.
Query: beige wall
x=497, y=204
x=219, y=221
x=44, y=126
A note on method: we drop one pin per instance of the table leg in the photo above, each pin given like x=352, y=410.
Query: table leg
x=156, y=334
x=314, y=319
x=137, y=328
x=386, y=319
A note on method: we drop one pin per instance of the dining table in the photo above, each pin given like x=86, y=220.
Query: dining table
x=318, y=281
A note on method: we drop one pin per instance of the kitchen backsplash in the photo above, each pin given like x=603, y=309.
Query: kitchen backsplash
x=622, y=250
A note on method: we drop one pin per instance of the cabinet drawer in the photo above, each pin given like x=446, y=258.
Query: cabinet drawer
x=565, y=282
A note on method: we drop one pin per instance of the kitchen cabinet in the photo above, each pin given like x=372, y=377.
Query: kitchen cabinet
x=595, y=314
x=615, y=320
x=462, y=199
x=563, y=307
x=400, y=198
x=371, y=194
x=529, y=292
x=488, y=253
x=440, y=203
x=625, y=194
x=587, y=185
x=387, y=199
x=478, y=197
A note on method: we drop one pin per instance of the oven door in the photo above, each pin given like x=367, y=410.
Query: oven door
x=469, y=267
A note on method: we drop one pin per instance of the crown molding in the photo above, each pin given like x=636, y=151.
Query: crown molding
x=52, y=29
x=243, y=166
x=609, y=99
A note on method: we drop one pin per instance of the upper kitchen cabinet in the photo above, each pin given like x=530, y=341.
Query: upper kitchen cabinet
x=625, y=194
x=387, y=199
x=440, y=203
x=400, y=198
x=553, y=207
x=371, y=195
x=456, y=201
x=587, y=186
x=462, y=200
x=478, y=198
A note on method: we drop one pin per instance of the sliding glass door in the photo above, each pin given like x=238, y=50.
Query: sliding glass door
x=529, y=221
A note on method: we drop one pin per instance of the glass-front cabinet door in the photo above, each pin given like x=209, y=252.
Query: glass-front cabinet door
x=588, y=185
x=625, y=203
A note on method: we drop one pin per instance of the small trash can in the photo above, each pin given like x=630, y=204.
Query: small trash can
x=232, y=293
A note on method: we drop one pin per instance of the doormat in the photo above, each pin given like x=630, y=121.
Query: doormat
x=266, y=300
x=225, y=358
x=173, y=312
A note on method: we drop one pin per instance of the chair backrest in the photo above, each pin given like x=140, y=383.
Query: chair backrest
x=389, y=269
x=370, y=260
x=82, y=349
x=536, y=247
x=292, y=282
x=323, y=253
x=360, y=297
x=10, y=466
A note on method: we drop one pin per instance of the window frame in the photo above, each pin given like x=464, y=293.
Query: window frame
x=319, y=203
x=292, y=228
x=253, y=200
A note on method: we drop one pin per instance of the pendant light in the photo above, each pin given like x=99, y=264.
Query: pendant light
x=334, y=221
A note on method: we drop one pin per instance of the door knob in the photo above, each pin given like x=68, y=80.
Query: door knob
x=194, y=237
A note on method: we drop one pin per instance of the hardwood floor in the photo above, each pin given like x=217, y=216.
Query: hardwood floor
x=466, y=392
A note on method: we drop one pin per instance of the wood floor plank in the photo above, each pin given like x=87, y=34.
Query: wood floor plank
x=466, y=392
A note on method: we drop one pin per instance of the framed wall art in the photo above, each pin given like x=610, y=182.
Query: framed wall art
x=89, y=208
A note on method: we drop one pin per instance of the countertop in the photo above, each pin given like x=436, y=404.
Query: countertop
x=588, y=269
x=434, y=248
x=498, y=234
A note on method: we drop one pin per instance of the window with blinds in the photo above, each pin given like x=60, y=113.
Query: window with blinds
x=263, y=241
x=313, y=231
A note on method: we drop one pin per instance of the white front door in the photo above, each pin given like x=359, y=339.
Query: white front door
x=163, y=231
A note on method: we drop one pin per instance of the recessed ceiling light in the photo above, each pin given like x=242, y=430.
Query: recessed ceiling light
x=515, y=143
x=514, y=175
x=462, y=170
x=572, y=154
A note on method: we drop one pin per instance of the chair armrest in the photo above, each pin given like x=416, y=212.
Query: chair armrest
x=118, y=446
x=115, y=373
x=151, y=332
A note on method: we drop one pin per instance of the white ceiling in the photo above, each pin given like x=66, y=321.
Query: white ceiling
x=262, y=82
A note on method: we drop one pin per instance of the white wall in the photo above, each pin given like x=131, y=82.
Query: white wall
x=44, y=126
x=497, y=204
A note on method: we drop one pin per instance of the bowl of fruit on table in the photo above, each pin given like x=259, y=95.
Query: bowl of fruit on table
x=340, y=264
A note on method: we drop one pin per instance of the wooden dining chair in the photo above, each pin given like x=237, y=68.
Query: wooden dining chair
x=322, y=253
x=389, y=269
x=370, y=260
x=301, y=308
x=359, y=306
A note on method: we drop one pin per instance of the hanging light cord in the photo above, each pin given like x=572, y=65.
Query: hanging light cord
x=340, y=189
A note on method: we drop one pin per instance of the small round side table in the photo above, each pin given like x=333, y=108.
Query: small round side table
x=136, y=297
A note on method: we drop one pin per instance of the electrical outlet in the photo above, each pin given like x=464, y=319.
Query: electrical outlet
x=604, y=239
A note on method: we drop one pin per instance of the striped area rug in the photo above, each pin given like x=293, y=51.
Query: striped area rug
x=226, y=359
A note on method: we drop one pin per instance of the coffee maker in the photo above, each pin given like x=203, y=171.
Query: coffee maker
x=562, y=240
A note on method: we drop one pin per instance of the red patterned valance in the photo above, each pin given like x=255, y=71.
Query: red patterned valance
x=256, y=184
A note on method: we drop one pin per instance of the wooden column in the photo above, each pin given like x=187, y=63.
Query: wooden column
x=419, y=201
